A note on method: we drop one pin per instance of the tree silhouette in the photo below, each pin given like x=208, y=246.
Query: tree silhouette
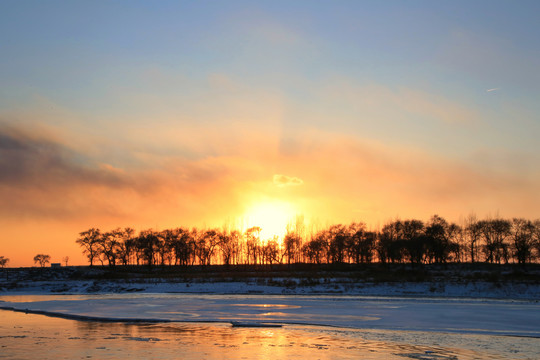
x=229, y=245
x=361, y=245
x=164, y=249
x=3, y=261
x=182, y=246
x=89, y=240
x=292, y=242
x=536, y=238
x=270, y=251
x=206, y=242
x=354, y=241
x=316, y=250
x=339, y=237
x=387, y=245
x=495, y=232
x=455, y=238
x=126, y=246
x=412, y=240
x=42, y=259
x=416, y=248
x=399, y=241
x=473, y=231
x=147, y=244
x=438, y=233
x=523, y=239
x=253, y=250
x=109, y=243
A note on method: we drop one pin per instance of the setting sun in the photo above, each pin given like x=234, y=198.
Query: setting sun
x=271, y=216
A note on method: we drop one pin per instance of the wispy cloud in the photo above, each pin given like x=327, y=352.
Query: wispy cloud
x=388, y=104
x=493, y=89
x=33, y=161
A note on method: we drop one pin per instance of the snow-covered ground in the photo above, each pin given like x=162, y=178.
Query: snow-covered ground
x=289, y=286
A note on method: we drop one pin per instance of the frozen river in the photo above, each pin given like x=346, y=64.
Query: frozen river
x=195, y=326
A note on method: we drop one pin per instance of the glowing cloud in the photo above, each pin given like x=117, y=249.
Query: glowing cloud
x=284, y=180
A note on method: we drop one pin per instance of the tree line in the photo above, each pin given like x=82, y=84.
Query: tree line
x=40, y=259
x=413, y=241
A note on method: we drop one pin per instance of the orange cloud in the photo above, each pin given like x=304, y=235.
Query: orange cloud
x=342, y=177
x=47, y=184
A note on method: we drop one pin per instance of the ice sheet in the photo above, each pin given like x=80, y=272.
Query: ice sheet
x=496, y=317
x=22, y=336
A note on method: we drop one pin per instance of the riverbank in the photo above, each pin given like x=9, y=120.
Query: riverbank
x=452, y=280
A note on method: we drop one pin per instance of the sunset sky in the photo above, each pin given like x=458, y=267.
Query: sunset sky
x=205, y=113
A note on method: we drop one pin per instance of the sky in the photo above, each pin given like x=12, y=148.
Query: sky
x=242, y=113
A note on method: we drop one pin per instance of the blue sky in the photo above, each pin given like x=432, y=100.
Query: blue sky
x=85, y=55
x=189, y=109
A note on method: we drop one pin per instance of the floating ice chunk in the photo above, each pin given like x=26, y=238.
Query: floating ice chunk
x=254, y=324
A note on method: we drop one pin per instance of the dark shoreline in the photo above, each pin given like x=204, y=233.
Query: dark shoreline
x=478, y=280
x=375, y=272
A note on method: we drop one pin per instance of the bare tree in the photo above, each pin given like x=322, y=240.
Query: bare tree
x=253, y=239
x=110, y=245
x=206, y=242
x=89, y=240
x=228, y=244
x=3, y=261
x=536, y=239
x=147, y=243
x=65, y=259
x=495, y=233
x=42, y=259
x=183, y=246
x=473, y=232
x=165, y=248
x=412, y=242
x=388, y=247
x=338, y=243
x=523, y=239
x=455, y=242
x=126, y=246
x=354, y=241
x=316, y=250
x=438, y=233
x=270, y=251
x=292, y=242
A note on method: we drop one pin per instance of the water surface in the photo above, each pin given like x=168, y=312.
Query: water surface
x=367, y=328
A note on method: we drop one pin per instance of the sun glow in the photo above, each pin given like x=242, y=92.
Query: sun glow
x=272, y=217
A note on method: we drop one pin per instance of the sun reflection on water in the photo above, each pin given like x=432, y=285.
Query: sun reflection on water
x=22, y=336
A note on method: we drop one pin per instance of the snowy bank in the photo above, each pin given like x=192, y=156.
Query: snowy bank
x=470, y=282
